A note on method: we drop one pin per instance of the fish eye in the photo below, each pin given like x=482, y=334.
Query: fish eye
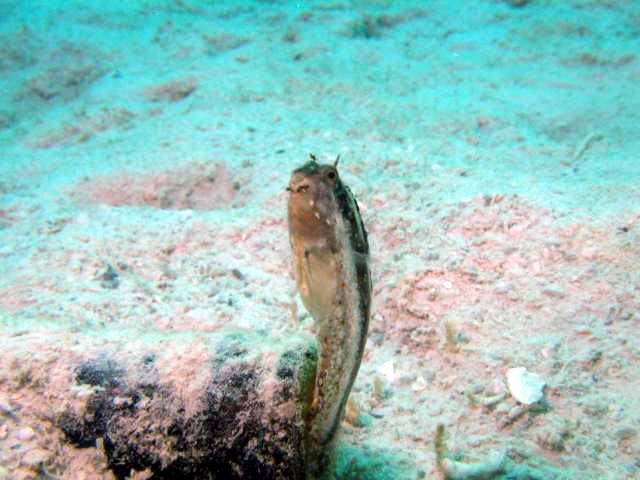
x=331, y=175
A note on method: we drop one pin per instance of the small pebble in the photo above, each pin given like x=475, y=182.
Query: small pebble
x=377, y=413
x=476, y=388
x=553, y=291
x=237, y=274
x=5, y=406
x=25, y=434
x=377, y=338
x=514, y=414
x=110, y=278
x=82, y=392
x=36, y=457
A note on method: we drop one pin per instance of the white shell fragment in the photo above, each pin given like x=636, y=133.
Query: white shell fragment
x=388, y=371
x=525, y=387
x=419, y=385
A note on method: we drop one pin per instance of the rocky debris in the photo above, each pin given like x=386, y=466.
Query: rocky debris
x=517, y=462
x=554, y=433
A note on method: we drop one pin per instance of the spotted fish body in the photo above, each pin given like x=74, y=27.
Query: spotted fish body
x=331, y=265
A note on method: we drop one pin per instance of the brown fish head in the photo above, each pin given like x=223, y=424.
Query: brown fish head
x=312, y=205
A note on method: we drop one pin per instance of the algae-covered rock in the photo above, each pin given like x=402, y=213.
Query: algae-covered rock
x=241, y=415
x=224, y=405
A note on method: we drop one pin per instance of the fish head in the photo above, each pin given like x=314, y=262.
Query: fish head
x=312, y=206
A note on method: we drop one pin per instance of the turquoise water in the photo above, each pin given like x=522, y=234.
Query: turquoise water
x=495, y=153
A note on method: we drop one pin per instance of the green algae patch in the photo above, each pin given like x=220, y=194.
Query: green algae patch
x=352, y=462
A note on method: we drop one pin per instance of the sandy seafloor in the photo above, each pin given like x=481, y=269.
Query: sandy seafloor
x=495, y=152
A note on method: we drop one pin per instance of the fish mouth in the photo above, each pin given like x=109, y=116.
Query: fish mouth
x=301, y=187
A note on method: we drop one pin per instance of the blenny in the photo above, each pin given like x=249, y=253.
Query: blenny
x=331, y=266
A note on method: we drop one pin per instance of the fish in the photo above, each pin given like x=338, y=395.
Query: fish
x=330, y=251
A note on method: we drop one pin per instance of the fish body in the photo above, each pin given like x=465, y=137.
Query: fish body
x=331, y=266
